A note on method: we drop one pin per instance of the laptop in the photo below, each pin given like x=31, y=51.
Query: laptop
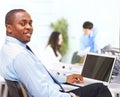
x=97, y=68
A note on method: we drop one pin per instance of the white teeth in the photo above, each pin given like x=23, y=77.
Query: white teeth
x=28, y=34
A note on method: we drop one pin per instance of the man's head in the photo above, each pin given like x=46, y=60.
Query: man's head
x=19, y=25
x=87, y=27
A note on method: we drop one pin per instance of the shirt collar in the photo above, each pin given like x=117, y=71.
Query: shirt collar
x=14, y=40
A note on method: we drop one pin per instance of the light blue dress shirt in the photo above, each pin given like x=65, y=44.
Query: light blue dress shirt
x=19, y=64
x=90, y=41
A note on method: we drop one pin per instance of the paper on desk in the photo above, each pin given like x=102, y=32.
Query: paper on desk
x=84, y=52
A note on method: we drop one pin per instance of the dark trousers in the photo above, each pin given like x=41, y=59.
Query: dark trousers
x=93, y=90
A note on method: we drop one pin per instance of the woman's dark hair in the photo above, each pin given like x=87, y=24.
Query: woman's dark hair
x=53, y=41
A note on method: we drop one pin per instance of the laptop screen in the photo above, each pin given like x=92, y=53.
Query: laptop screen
x=98, y=66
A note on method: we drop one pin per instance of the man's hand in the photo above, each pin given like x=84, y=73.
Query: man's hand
x=77, y=78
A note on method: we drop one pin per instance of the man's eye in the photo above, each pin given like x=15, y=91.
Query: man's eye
x=30, y=23
x=23, y=23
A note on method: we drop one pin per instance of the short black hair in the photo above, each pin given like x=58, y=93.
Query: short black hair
x=87, y=25
x=10, y=15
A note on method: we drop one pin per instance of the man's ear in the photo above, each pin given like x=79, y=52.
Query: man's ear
x=9, y=29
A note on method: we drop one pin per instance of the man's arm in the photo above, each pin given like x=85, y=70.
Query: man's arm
x=31, y=73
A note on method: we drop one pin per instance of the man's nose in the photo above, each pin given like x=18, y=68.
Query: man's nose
x=28, y=26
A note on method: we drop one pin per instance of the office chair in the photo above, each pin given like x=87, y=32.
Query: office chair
x=15, y=89
x=75, y=58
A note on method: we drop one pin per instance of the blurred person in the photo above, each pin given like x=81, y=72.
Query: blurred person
x=53, y=46
x=19, y=63
x=52, y=54
x=89, y=39
x=54, y=43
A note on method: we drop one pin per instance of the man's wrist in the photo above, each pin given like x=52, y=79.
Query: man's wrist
x=72, y=94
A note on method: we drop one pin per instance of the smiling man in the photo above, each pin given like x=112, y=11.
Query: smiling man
x=18, y=63
x=19, y=26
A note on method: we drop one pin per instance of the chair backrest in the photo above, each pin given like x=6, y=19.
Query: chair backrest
x=75, y=58
x=15, y=89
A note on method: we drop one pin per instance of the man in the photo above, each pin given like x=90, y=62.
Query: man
x=18, y=63
x=89, y=39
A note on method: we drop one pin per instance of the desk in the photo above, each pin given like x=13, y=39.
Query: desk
x=3, y=91
x=113, y=87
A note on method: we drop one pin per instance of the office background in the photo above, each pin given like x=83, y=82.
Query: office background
x=105, y=14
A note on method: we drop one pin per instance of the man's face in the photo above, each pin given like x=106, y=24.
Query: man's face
x=21, y=28
x=87, y=31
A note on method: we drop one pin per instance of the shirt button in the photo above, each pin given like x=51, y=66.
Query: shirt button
x=58, y=73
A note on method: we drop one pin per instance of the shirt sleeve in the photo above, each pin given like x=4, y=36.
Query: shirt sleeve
x=29, y=71
x=82, y=42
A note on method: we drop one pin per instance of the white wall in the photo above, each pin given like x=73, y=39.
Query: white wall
x=105, y=14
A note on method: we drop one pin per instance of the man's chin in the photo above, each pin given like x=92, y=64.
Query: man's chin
x=26, y=41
